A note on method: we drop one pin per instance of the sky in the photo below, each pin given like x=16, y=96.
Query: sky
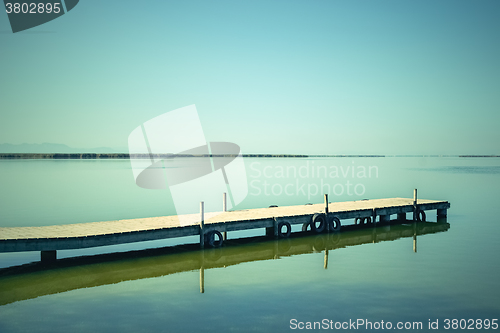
x=294, y=77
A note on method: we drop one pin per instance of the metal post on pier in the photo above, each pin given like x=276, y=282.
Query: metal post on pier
x=326, y=204
x=327, y=226
x=202, y=225
x=414, y=204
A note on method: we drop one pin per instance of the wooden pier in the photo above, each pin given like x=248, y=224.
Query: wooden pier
x=37, y=279
x=277, y=221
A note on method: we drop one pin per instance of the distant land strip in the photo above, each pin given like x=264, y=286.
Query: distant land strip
x=478, y=155
x=103, y=156
x=78, y=156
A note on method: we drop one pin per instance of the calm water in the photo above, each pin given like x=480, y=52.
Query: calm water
x=258, y=286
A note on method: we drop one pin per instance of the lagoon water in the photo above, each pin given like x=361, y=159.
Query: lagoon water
x=257, y=286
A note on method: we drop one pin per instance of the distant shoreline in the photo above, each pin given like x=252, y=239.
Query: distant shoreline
x=78, y=156
x=96, y=156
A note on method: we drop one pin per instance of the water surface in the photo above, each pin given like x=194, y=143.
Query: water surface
x=453, y=274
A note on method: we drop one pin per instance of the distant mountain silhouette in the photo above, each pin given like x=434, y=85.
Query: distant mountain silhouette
x=50, y=148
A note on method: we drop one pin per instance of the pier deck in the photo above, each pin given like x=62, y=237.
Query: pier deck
x=19, y=283
x=49, y=239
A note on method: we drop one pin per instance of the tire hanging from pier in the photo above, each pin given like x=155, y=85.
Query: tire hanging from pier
x=318, y=218
x=210, y=238
x=334, y=224
x=288, y=229
x=420, y=215
x=363, y=220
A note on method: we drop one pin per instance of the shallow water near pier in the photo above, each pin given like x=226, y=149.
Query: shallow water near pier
x=258, y=285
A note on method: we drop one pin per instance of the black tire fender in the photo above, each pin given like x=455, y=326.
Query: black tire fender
x=318, y=217
x=210, y=238
x=421, y=215
x=288, y=227
x=335, y=224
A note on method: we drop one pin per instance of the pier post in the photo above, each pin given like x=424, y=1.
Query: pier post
x=202, y=225
x=325, y=265
x=272, y=231
x=326, y=204
x=275, y=227
x=414, y=204
x=442, y=212
x=48, y=256
x=224, y=209
x=385, y=218
x=402, y=216
x=442, y=215
x=327, y=226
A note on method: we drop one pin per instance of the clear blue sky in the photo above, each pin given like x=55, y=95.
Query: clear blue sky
x=316, y=77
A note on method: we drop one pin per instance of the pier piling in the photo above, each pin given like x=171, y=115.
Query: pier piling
x=385, y=218
x=442, y=212
x=327, y=224
x=48, y=256
x=415, y=212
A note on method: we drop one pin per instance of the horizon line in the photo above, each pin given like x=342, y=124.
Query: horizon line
x=171, y=156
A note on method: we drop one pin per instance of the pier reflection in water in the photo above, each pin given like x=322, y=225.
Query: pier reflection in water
x=38, y=279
